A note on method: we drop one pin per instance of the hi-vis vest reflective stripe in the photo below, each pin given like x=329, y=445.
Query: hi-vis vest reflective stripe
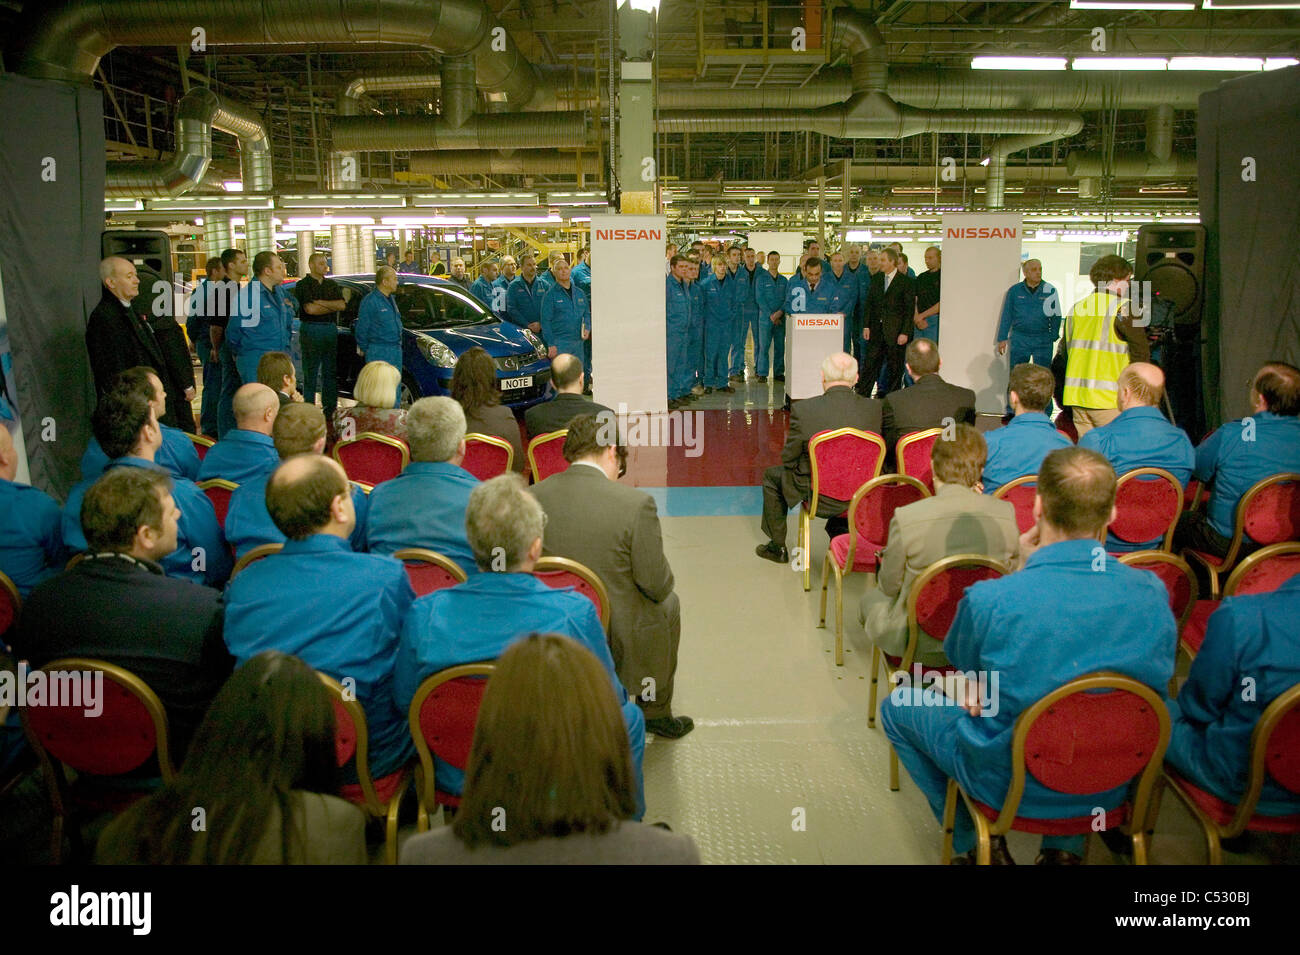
x=1096, y=354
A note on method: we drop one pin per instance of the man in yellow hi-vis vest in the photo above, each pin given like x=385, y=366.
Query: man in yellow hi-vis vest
x=1100, y=340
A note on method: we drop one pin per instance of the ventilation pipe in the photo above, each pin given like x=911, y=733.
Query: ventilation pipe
x=217, y=233
x=188, y=164
x=533, y=162
x=565, y=130
x=995, y=185
x=458, y=90
x=1158, y=162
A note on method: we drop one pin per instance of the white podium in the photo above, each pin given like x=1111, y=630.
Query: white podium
x=809, y=338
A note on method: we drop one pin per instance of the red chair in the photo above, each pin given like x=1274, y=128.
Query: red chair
x=218, y=491
x=1275, y=752
x=1065, y=424
x=130, y=728
x=913, y=455
x=842, y=461
x=1021, y=493
x=443, y=714
x=1080, y=741
x=371, y=458
x=546, y=455
x=380, y=798
x=558, y=572
x=1178, y=579
x=11, y=604
x=487, y=456
x=1269, y=513
x=201, y=444
x=931, y=608
x=1261, y=572
x=1148, y=502
x=870, y=512
x=256, y=554
x=429, y=570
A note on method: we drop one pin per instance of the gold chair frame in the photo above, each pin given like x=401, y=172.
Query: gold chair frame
x=546, y=564
x=537, y=442
x=809, y=508
x=256, y=554
x=475, y=437
x=1216, y=566
x=425, y=781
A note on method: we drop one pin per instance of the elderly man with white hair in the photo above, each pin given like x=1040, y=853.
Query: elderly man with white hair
x=787, y=484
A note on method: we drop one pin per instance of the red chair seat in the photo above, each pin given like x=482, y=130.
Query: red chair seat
x=385, y=787
x=1222, y=812
x=1194, y=633
x=864, y=559
x=1077, y=825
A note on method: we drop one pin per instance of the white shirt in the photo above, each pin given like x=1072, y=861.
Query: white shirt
x=889, y=277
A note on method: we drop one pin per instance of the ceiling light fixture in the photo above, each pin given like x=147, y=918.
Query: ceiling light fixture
x=1018, y=63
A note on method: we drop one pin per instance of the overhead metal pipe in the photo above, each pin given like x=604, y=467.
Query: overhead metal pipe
x=1130, y=166
x=1069, y=90
x=1160, y=131
x=533, y=162
x=188, y=164
x=486, y=131
x=458, y=91
x=995, y=185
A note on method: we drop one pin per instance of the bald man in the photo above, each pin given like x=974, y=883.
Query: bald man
x=569, y=401
x=31, y=536
x=247, y=452
x=340, y=611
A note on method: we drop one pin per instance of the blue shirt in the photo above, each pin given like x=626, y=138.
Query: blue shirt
x=849, y=287
x=566, y=314
x=378, y=322
x=503, y=608
x=1034, y=316
x=1071, y=611
x=240, y=456
x=31, y=535
x=1242, y=453
x=747, y=286
x=263, y=323
x=1018, y=448
x=201, y=554
x=582, y=277
x=249, y=524
x=679, y=304
x=826, y=299
x=177, y=455
x=770, y=293
x=718, y=301
x=485, y=292
x=341, y=613
x=424, y=506
x=524, y=302
x=1141, y=437
x=1255, y=637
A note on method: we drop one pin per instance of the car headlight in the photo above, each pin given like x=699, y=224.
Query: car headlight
x=539, y=347
x=441, y=355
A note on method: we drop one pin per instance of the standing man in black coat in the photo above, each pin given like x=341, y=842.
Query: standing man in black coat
x=790, y=482
x=891, y=307
x=119, y=336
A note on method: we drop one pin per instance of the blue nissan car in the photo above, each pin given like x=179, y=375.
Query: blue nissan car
x=442, y=321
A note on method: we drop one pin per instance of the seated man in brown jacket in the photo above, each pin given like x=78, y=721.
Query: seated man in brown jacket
x=958, y=519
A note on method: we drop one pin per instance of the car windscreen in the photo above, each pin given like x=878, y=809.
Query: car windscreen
x=424, y=307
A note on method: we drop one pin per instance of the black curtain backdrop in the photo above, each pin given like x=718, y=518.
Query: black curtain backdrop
x=1252, y=305
x=51, y=215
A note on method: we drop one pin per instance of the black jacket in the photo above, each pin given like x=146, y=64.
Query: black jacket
x=555, y=415
x=889, y=313
x=838, y=407
x=924, y=405
x=117, y=340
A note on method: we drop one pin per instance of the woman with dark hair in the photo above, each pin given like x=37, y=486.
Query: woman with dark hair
x=264, y=754
x=550, y=777
x=474, y=385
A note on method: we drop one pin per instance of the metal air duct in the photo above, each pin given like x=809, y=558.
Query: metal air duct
x=533, y=162
x=485, y=131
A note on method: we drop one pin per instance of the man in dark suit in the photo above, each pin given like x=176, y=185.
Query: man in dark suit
x=568, y=403
x=890, y=313
x=614, y=530
x=928, y=402
x=790, y=482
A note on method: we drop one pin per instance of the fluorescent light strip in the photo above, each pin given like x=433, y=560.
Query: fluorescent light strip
x=1210, y=5
x=1130, y=5
x=516, y=220
x=1119, y=63
x=1280, y=62
x=1233, y=64
x=446, y=199
x=1017, y=63
x=318, y=223
x=406, y=222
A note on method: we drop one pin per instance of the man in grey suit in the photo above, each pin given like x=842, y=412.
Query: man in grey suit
x=958, y=519
x=790, y=482
x=929, y=401
x=614, y=530
x=568, y=403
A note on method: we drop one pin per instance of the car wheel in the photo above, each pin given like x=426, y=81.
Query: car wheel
x=410, y=391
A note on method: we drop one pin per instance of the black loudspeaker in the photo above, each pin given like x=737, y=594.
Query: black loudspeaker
x=151, y=249
x=1172, y=259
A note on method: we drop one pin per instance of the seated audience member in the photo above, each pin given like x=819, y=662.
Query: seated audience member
x=424, y=506
x=550, y=750
x=177, y=455
x=247, y=452
x=1240, y=454
x=374, y=410
x=341, y=612
x=127, y=429
x=263, y=755
x=568, y=403
x=614, y=531
x=927, y=403
x=505, y=602
x=1251, y=640
x=116, y=604
x=1019, y=446
x=275, y=370
x=31, y=526
x=957, y=520
x=1028, y=629
x=1141, y=437
x=474, y=385
x=299, y=429
x=788, y=483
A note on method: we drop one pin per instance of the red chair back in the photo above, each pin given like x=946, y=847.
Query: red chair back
x=201, y=444
x=842, y=461
x=442, y=717
x=1265, y=570
x=1282, y=755
x=912, y=453
x=345, y=733
x=1273, y=512
x=218, y=492
x=1090, y=742
x=1021, y=493
x=1065, y=424
x=10, y=604
x=487, y=457
x=872, y=508
x=559, y=572
x=1148, y=502
x=429, y=571
x=546, y=454
x=371, y=458
x=936, y=593
x=1174, y=573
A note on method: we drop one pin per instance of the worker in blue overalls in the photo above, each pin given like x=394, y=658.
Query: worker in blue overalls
x=811, y=292
x=746, y=309
x=769, y=328
x=695, y=329
x=677, y=321
x=566, y=314
x=849, y=287
x=1031, y=320
x=524, y=297
x=719, y=313
x=379, y=324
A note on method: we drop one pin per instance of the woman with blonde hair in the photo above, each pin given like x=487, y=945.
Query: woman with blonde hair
x=550, y=777
x=374, y=409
